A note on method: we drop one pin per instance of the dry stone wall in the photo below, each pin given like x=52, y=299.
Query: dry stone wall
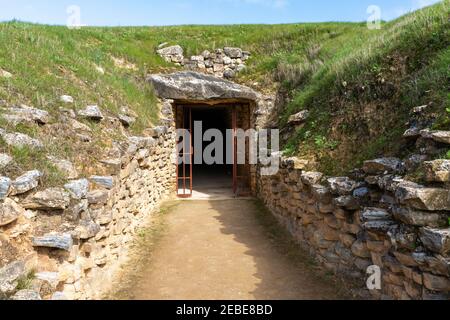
x=222, y=63
x=76, y=237
x=375, y=218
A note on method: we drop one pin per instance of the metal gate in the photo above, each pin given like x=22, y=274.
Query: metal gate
x=185, y=153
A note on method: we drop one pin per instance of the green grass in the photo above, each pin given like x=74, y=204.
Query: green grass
x=25, y=282
x=361, y=96
x=30, y=159
x=358, y=84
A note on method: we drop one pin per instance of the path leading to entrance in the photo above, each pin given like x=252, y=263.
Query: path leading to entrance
x=226, y=250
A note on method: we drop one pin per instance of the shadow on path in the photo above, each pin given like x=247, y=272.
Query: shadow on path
x=227, y=250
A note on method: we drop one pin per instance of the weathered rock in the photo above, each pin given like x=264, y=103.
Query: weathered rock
x=157, y=132
x=65, y=166
x=77, y=209
x=438, y=136
x=106, y=182
x=142, y=142
x=233, y=52
x=412, y=133
x=78, y=126
x=382, y=226
x=419, y=218
x=418, y=197
x=51, y=278
x=241, y=67
x=360, y=249
x=436, y=283
x=5, y=185
x=361, y=193
x=67, y=114
x=437, y=171
x=299, y=118
x=113, y=166
x=98, y=197
x=5, y=74
x=21, y=140
x=194, y=86
x=434, y=296
x=55, y=241
x=322, y=194
x=10, y=211
x=436, y=240
x=311, y=178
x=380, y=166
x=9, y=275
x=24, y=113
x=295, y=163
x=5, y=160
x=440, y=265
x=66, y=99
x=27, y=295
x=50, y=199
x=342, y=186
x=26, y=182
x=197, y=58
x=104, y=218
x=87, y=230
x=347, y=202
x=142, y=154
x=374, y=214
x=405, y=259
x=403, y=237
x=59, y=296
x=127, y=121
x=92, y=113
x=171, y=51
x=347, y=239
x=206, y=54
x=415, y=161
x=78, y=189
x=229, y=74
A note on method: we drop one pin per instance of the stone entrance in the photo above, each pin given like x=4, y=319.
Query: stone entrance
x=200, y=102
x=208, y=150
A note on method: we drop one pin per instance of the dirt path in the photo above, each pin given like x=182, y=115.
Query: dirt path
x=226, y=250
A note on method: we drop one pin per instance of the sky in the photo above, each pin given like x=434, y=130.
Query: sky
x=176, y=12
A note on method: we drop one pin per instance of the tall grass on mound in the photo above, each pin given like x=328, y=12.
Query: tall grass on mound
x=361, y=98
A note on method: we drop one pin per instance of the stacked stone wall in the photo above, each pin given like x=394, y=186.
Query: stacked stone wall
x=375, y=220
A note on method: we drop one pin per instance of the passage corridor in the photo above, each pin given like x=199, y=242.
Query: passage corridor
x=229, y=249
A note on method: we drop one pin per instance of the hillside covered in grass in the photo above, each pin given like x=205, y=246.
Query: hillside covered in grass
x=361, y=98
x=358, y=84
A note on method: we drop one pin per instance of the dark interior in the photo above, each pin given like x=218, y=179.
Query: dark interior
x=218, y=175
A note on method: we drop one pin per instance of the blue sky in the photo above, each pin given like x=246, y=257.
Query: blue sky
x=170, y=12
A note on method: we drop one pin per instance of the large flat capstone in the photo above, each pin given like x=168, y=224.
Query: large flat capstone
x=193, y=86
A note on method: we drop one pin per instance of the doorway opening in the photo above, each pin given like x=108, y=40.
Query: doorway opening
x=197, y=177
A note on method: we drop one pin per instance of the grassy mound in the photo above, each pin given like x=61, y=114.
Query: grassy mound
x=361, y=98
x=358, y=84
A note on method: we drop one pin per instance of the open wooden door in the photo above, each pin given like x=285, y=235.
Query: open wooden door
x=185, y=153
x=241, y=171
